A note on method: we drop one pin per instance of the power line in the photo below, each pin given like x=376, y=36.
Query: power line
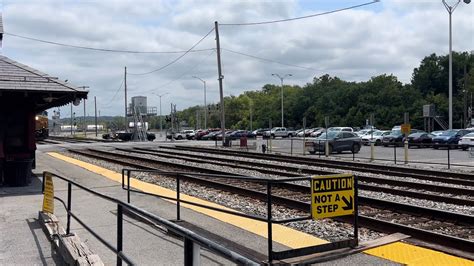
x=182, y=75
x=270, y=60
x=297, y=18
x=175, y=60
x=102, y=49
x=115, y=95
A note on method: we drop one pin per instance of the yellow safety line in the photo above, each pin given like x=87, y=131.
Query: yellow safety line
x=399, y=252
x=281, y=234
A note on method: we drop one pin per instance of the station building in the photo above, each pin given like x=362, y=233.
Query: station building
x=25, y=92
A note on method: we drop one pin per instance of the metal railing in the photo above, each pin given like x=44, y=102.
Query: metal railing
x=298, y=146
x=272, y=255
x=190, y=238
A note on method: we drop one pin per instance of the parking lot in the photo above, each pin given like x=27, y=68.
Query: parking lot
x=428, y=157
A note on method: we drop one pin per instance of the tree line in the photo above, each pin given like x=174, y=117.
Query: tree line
x=345, y=103
x=349, y=103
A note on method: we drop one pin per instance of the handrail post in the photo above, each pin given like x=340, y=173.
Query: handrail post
x=123, y=178
x=356, y=211
x=42, y=185
x=319, y=147
x=119, y=233
x=178, y=201
x=191, y=253
x=449, y=159
x=291, y=149
x=395, y=152
x=269, y=222
x=128, y=186
x=69, y=192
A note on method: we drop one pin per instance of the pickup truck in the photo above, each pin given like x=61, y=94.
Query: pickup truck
x=280, y=132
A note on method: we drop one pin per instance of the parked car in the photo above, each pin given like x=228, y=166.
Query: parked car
x=437, y=133
x=184, y=134
x=280, y=132
x=200, y=133
x=260, y=131
x=241, y=133
x=449, y=137
x=338, y=141
x=317, y=133
x=396, y=137
x=420, y=139
x=375, y=137
x=466, y=141
x=307, y=132
x=211, y=135
x=227, y=134
x=348, y=129
x=363, y=132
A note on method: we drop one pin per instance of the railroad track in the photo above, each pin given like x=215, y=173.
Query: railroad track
x=376, y=214
x=365, y=182
x=62, y=140
x=423, y=174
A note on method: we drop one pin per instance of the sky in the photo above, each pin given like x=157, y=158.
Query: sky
x=387, y=37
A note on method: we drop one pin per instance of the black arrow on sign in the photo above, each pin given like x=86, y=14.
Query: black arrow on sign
x=348, y=204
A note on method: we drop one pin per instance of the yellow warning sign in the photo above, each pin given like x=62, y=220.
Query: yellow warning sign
x=405, y=128
x=48, y=198
x=332, y=196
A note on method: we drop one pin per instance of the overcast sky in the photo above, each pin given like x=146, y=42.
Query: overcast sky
x=390, y=36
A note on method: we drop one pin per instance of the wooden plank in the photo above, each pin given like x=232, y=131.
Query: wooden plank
x=70, y=247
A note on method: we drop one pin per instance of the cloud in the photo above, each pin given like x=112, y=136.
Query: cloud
x=389, y=37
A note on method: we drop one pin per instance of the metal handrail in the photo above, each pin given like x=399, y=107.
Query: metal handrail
x=268, y=219
x=188, y=235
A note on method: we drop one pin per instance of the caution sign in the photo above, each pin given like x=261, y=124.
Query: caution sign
x=332, y=196
x=405, y=128
x=48, y=198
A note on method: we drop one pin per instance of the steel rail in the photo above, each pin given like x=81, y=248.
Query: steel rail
x=295, y=171
x=375, y=224
x=424, y=174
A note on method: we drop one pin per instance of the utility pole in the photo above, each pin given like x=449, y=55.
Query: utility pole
x=95, y=111
x=84, y=122
x=125, y=86
x=450, y=10
x=464, y=106
x=281, y=84
x=161, y=117
x=205, y=104
x=71, y=119
x=221, y=77
x=84, y=118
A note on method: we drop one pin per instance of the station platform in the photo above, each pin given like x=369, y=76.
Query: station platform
x=23, y=241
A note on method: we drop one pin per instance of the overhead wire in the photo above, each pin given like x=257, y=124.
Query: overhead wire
x=183, y=74
x=270, y=60
x=115, y=95
x=102, y=49
x=175, y=60
x=298, y=18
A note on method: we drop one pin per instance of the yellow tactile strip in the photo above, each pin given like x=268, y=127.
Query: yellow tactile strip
x=281, y=234
x=398, y=252
x=413, y=255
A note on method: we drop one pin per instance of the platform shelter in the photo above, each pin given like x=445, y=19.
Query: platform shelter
x=24, y=92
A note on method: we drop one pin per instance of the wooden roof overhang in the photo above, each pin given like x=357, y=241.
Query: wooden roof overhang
x=24, y=87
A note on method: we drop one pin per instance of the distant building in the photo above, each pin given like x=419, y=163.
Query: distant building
x=139, y=106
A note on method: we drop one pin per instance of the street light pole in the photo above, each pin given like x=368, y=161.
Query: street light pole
x=161, y=117
x=450, y=10
x=205, y=105
x=281, y=83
